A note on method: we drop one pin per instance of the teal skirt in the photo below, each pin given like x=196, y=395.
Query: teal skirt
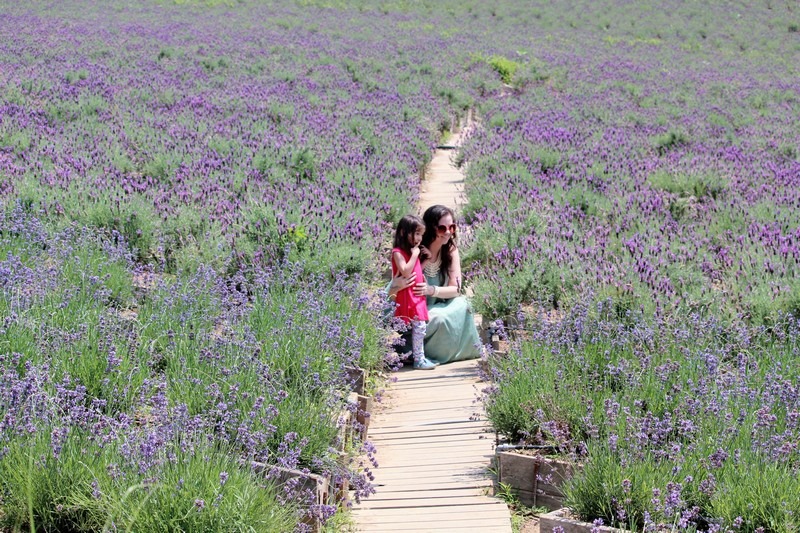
x=452, y=335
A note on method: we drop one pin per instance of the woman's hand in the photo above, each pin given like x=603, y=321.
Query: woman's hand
x=422, y=289
x=400, y=282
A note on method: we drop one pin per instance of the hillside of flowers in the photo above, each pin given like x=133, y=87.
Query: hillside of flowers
x=196, y=197
x=633, y=199
x=194, y=201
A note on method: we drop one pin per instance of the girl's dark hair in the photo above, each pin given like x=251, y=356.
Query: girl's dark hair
x=431, y=217
x=406, y=227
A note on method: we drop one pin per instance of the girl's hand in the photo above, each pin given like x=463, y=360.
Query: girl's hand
x=415, y=250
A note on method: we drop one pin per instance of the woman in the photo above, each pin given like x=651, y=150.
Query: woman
x=451, y=334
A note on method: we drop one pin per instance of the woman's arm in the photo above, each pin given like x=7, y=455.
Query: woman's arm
x=400, y=282
x=453, y=287
x=454, y=274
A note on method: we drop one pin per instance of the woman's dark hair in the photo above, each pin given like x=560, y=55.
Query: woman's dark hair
x=431, y=217
x=405, y=228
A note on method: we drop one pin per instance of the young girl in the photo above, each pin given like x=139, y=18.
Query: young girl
x=411, y=308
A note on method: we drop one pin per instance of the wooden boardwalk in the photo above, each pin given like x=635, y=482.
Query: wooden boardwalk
x=434, y=444
x=434, y=449
x=443, y=183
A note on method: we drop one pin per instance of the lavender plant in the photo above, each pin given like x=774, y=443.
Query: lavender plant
x=674, y=423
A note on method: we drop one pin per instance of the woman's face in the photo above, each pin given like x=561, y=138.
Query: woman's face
x=445, y=229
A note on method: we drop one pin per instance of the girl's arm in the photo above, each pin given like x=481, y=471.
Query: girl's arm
x=403, y=267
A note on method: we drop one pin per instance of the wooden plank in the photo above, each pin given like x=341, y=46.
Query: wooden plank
x=433, y=423
x=421, y=434
x=484, y=526
x=454, y=465
x=389, y=468
x=464, y=413
x=409, y=495
x=473, y=441
x=455, y=525
x=423, y=514
x=390, y=442
x=406, y=480
x=426, y=419
x=420, y=408
x=420, y=459
x=472, y=524
x=399, y=486
x=418, y=456
x=433, y=428
x=425, y=502
x=413, y=404
x=428, y=514
x=427, y=434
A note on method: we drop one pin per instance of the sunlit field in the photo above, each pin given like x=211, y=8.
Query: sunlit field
x=196, y=200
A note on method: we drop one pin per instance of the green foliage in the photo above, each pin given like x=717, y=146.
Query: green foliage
x=505, y=67
x=92, y=105
x=303, y=164
x=528, y=399
x=134, y=220
x=602, y=485
x=72, y=77
x=211, y=64
x=167, y=52
x=621, y=303
x=19, y=141
x=160, y=167
x=686, y=185
x=669, y=141
x=548, y=158
x=531, y=282
x=763, y=307
x=589, y=202
x=77, y=491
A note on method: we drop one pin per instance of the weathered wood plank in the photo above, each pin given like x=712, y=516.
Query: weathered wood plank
x=390, y=487
x=405, y=457
x=434, y=514
x=399, y=496
x=425, y=502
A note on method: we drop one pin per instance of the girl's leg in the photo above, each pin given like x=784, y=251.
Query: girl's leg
x=418, y=329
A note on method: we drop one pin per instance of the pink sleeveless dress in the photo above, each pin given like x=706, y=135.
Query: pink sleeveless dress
x=410, y=306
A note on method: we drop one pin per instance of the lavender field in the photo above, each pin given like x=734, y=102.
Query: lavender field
x=634, y=203
x=195, y=200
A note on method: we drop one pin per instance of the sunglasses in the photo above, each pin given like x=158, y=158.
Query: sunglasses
x=441, y=229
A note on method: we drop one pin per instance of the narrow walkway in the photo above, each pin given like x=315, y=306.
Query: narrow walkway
x=434, y=444
x=443, y=183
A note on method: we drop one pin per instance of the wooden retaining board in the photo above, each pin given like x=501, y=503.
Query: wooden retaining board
x=535, y=479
